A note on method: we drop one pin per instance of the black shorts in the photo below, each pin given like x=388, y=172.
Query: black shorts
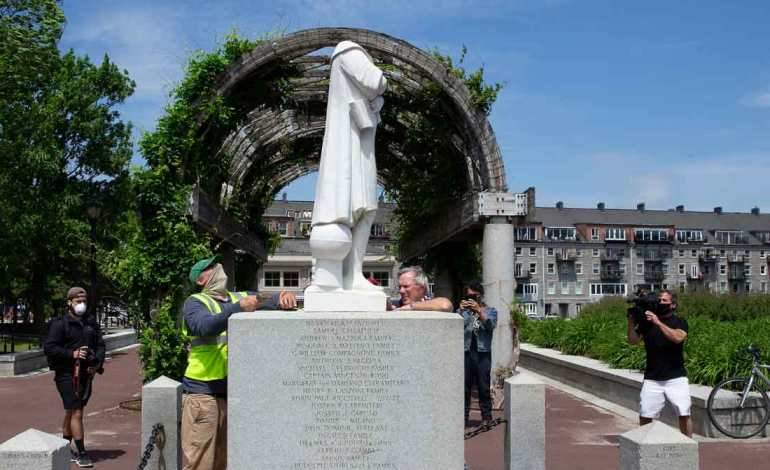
x=66, y=386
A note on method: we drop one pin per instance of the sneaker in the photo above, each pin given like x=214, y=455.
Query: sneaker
x=73, y=455
x=84, y=461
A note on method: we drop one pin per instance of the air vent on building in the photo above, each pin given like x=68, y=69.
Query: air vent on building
x=640, y=206
x=755, y=210
x=718, y=210
x=680, y=208
x=560, y=205
x=600, y=206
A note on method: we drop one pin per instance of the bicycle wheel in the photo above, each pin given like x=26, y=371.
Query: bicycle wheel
x=729, y=416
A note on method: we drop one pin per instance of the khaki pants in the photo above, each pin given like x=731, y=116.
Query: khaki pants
x=204, y=432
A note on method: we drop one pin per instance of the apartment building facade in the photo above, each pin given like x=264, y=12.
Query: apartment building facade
x=567, y=257
x=290, y=268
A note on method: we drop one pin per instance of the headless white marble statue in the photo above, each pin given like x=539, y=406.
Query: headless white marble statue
x=346, y=192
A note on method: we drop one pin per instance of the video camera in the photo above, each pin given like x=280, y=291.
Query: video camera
x=642, y=302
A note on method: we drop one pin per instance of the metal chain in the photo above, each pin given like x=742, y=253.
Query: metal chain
x=485, y=428
x=157, y=438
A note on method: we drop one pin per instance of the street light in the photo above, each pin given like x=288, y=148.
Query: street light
x=94, y=212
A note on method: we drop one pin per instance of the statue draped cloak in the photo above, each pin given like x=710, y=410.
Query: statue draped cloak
x=347, y=175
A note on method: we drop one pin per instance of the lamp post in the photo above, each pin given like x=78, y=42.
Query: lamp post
x=94, y=211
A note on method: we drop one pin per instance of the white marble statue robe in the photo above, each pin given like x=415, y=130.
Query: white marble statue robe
x=347, y=176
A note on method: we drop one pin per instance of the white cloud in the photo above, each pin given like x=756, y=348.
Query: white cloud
x=757, y=100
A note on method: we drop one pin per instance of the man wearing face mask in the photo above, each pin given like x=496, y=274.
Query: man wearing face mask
x=75, y=351
x=204, y=404
x=665, y=377
x=480, y=322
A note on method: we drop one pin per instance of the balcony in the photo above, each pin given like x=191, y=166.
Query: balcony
x=708, y=258
x=566, y=256
x=612, y=256
x=736, y=259
x=612, y=275
x=522, y=275
x=654, y=275
x=694, y=277
x=526, y=297
x=736, y=275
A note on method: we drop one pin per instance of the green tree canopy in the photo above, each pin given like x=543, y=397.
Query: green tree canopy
x=64, y=147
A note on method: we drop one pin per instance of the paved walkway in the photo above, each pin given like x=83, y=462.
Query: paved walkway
x=579, y=435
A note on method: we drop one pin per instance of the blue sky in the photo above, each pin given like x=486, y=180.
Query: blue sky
x=660, y=102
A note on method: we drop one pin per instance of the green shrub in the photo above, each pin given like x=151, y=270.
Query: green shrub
x=721, y=328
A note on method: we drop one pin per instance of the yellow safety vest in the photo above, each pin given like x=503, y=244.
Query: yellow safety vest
x=207, y=358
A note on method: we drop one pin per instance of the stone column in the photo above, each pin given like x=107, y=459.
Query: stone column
x=657, y=445
x=525, y=432
x=34, y=449
x=497, y=265
x=162, y=403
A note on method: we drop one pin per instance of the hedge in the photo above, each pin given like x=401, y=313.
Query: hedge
x=721, y=328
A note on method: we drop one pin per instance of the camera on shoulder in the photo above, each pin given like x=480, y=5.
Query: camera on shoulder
x=641, y=302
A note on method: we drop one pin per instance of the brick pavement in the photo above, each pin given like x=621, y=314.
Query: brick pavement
x=579, y=435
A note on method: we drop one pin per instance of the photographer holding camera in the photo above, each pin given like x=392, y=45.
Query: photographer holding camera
x=480, y=321
x=665, y=377
x=75, y=351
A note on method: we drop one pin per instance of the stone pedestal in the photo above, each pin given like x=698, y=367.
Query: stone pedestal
x=345, y=391
x=525, y=412
x=34, y=449
x=655, y=446
x=162, y=403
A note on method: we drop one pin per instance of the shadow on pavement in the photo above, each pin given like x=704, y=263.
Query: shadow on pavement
x=100, y=455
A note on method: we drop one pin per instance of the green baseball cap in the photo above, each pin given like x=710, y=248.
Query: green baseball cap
x=201, y=266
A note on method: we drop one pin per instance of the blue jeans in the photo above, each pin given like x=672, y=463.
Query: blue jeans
x=478, y=367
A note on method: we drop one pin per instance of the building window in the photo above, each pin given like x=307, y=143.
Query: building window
x=595, y=252
x=578, y=268
x=722, y=269
x=579, y=288
x=272, y=279
x=532, y=251
x=763, y=287
x=518, y=251
x=377, y=230
x=595, y=268
x=681, y=253
x=615, y=233
x=730, y=237
x=747, y=269
x=681, y=268
x=526, y=233
x=291, y=279
x=694, y=253
x=748, y=286
x=682, y=286
x=549, y=252
x=533, y=268
x=762, y=254
x=304, y=228
x=665, y=268
x=560, y=233
x=694, y=271
x=639, y=268
x=529, y=289
x=651, y=234
x=723, y=287
x=763, y=269
x=622, y=268
x=530, y=308
x=551, y=268
x=578, y=308
x=722, y=253
x=382, y=277
x=686, y=236
x=764, y=237
x=564, y=288
x=551, y=287
x=517, y=270
x=594, y=233
x=608, y=289
x=282, y=229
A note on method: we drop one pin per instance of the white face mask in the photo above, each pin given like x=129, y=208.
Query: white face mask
x=79, y=309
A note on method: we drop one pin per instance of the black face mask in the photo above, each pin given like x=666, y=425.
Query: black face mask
x=666, y=309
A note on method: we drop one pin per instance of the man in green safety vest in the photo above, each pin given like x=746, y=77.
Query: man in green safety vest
x=204, y=404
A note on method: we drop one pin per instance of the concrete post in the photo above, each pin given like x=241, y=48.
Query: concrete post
x=499, y=285
x=657, y=445
x=34, y=449
x=162, y=403
x=525, y=412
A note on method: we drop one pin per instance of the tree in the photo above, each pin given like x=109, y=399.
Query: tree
x=63, y=146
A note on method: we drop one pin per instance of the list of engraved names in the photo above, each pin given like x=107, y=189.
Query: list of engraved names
x=345, y=377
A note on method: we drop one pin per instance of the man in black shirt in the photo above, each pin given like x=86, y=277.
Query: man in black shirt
x=75, y=351
x=665, y=377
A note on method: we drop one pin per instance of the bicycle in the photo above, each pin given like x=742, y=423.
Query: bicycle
x=738, y=407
